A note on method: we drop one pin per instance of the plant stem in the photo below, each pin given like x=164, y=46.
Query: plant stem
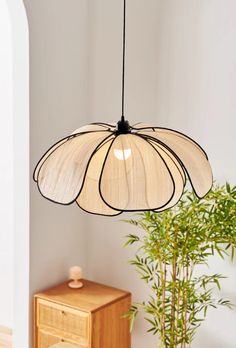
x=178, y=297
x=173, y=300
x=186, y=304
x=164, y=298
x=163, y=280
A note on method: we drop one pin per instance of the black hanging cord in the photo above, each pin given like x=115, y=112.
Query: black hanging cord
x=123, y=67
x=123, y=126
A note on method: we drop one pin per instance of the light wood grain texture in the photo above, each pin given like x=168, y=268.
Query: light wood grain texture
x=91, y=317
x=63, y=345
x=90, y=298
x=46, y=340
x=5, y=337
x=109, y=327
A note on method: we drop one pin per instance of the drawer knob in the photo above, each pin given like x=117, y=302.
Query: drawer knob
x=63, y=312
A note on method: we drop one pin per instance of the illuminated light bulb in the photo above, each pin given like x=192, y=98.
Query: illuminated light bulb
x=122, y=154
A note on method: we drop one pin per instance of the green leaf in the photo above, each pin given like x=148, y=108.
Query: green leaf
x=173, y=245
x=131, y=239
x=228, y=188
x=232, y=252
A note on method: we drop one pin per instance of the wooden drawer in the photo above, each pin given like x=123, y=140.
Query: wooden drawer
x=63, y=319
x=46, y=340
x=91, y=317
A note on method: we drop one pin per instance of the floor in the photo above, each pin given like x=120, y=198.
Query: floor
x=5, y=337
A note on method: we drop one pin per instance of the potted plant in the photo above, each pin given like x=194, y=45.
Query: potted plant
x=171, y=249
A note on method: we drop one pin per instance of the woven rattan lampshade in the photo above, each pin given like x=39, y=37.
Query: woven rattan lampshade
x=108, y=170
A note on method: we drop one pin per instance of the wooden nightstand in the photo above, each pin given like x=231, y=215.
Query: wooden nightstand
x=91, y=317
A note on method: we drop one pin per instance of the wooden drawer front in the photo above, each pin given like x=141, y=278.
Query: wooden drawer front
x=46, y=340
x=63, y=319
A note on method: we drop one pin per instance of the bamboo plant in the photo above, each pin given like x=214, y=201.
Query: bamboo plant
x=171, y=249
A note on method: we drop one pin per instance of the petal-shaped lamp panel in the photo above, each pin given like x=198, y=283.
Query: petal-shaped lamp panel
x=45, y=156
x=89, y=198
x=135, y=177
x=61, y=175
x=141, y=125
x=106, y=125
x=170, y=159
x=93, y=127
x=191, y=156
x=177, y=173
x=166, y=132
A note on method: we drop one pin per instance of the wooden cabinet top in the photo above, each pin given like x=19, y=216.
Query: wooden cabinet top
x=90, y=298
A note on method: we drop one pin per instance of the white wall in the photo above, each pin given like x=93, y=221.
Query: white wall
x=6, y=169
x=16, y=150
x=58, y=105
x=181, y=73
x=58, y=99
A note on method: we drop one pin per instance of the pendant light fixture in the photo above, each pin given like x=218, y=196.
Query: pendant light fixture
x=108, y=169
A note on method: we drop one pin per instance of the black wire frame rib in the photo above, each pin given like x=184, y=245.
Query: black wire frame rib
x=56, y=145
x=179, y=160
x=133, y=210
x=176, y=133
x=183, y=179
x=103, y=124
x=87, y=211
x=154, y=129
x=86, y=169
x=99, y=214
x=65, y=139
x=183, y=176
